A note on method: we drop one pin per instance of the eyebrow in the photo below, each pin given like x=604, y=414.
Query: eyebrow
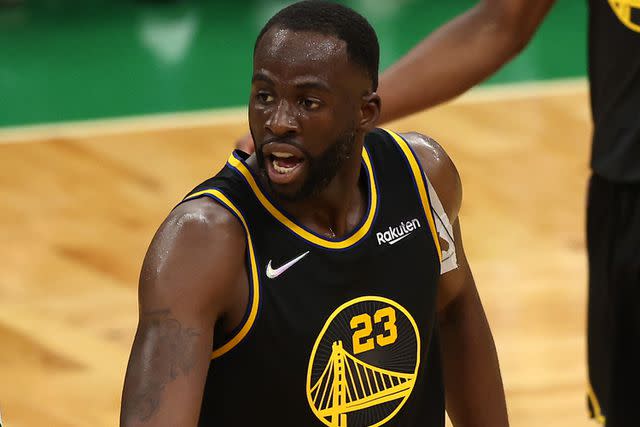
x=261, y=77
x=313, y=84
x=301, y=83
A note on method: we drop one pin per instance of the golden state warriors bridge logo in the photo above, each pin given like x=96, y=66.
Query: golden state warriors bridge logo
x=364, y=363
x=627, y=11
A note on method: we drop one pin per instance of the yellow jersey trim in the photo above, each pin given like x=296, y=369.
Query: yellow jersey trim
x=255, y=300
x=420, y=184
x=597, y=412
x=306, y=234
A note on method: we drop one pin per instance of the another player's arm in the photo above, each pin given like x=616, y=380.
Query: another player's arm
x=473, y=385
x=188, y=278
x=460, y=54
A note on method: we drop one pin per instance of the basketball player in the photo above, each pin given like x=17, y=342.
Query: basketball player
x=322, y=280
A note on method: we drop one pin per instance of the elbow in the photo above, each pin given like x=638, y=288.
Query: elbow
x=514, y=38
x=518, y=40
x=510, y=26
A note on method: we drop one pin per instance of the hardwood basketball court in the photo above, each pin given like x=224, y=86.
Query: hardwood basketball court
x=79, y=205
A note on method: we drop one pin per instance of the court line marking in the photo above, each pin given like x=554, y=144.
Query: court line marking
x=238, y=115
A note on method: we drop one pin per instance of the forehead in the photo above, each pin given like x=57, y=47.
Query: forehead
x=288, y=53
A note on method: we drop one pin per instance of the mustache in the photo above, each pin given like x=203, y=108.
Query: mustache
x=285, y=141
x=275, y=139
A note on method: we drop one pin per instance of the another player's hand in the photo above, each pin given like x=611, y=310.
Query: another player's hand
x=246, y=144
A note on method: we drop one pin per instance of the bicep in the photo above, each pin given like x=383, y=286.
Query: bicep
x=183, y=290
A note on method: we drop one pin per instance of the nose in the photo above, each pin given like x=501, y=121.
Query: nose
x=282, y=120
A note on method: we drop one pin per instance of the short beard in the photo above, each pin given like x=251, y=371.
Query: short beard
x=322, y=169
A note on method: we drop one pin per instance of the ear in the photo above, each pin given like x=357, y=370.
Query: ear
x=369, y=111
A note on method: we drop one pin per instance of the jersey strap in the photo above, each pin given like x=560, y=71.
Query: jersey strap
x=439, y=224
x=254, y=286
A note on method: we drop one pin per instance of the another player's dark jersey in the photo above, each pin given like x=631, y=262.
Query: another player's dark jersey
x=338, y=332
x=614, y=73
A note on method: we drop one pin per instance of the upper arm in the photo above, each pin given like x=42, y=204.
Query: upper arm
x=188, y=280
x=193, y=260
x=466, y=343
x=445, y=179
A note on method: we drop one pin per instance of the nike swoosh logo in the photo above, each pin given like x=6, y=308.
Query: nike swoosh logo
x=273, y=273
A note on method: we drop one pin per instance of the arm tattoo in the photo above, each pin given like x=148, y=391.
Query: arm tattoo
x=163, y=350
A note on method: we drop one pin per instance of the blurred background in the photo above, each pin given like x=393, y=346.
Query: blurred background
x=111, y=111
x=64, y=60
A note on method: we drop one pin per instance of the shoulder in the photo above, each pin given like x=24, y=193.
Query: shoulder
x=440, y=171
x=204, y=219
x=201, y=226
x=197, y=254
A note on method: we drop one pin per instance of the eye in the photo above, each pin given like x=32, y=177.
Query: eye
x=310, y=103
x=264, y=97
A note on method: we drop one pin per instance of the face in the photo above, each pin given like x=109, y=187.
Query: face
x=308, y=106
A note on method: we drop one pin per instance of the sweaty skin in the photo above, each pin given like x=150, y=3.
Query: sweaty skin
x=194, y=275
x=310, y=100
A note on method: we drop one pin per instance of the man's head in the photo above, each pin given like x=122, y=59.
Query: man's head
x=313, y=94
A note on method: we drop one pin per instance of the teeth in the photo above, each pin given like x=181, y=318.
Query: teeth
x=282, y=169
x=282, y=155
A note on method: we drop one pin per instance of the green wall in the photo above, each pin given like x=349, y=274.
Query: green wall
x=70, y=60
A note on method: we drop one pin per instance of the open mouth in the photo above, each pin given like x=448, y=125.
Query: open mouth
x=285, y=163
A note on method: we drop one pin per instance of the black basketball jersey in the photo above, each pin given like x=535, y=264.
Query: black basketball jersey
x=614, y=74
x=338, y=332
